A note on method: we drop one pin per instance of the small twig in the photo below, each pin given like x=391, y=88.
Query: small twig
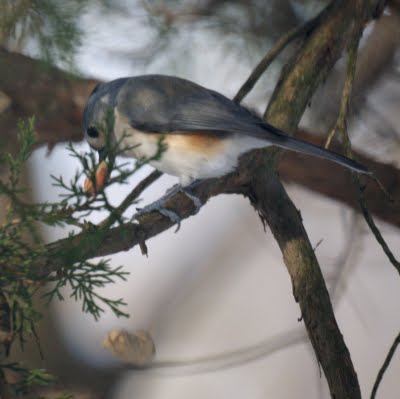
x=374, y=229
x=385, y=365
x=318, y=244
x=347, y=90
x=382, y=188
x=271, y=55
x=331, y=135
x=347, y=260
x=143, y=248
x=132, y=196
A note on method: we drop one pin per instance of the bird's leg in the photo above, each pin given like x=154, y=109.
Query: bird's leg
x=159, y=204
x=187, y=190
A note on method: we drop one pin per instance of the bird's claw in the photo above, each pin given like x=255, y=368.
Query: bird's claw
x=157, y=207
x=196, y=200
x=173, y=216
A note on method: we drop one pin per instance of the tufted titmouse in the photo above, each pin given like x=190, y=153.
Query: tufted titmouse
x=204, y=132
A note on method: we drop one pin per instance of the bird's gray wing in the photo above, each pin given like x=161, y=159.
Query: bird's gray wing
x=164, y=104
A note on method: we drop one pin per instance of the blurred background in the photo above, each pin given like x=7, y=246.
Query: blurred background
x=216, y=296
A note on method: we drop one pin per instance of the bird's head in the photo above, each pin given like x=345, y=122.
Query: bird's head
x=101, y=103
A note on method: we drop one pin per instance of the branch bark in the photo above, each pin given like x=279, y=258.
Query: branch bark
x=298, y=82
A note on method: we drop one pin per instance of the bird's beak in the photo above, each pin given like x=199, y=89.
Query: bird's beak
x=103, y=153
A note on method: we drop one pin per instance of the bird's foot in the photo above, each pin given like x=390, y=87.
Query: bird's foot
x=196, y=200
x=158, y=205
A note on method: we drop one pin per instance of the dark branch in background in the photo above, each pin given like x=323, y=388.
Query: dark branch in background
x=53, y=96
x=334, y=181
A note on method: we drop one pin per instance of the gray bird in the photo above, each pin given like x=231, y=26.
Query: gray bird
x=205, y=132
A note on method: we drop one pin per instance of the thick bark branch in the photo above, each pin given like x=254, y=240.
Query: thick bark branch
x=308, y=68
x=309, y=290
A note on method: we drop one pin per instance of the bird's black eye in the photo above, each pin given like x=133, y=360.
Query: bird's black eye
x=92, y=132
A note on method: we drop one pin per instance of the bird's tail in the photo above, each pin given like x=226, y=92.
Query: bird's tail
x=280, y=139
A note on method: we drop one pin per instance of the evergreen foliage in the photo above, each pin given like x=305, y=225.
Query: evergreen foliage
x=21, y=246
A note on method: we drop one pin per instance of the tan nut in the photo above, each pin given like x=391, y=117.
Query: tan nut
x=101, y=177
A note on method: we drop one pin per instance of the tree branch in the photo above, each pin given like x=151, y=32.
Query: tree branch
x=298, y=82
x=385, y=366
